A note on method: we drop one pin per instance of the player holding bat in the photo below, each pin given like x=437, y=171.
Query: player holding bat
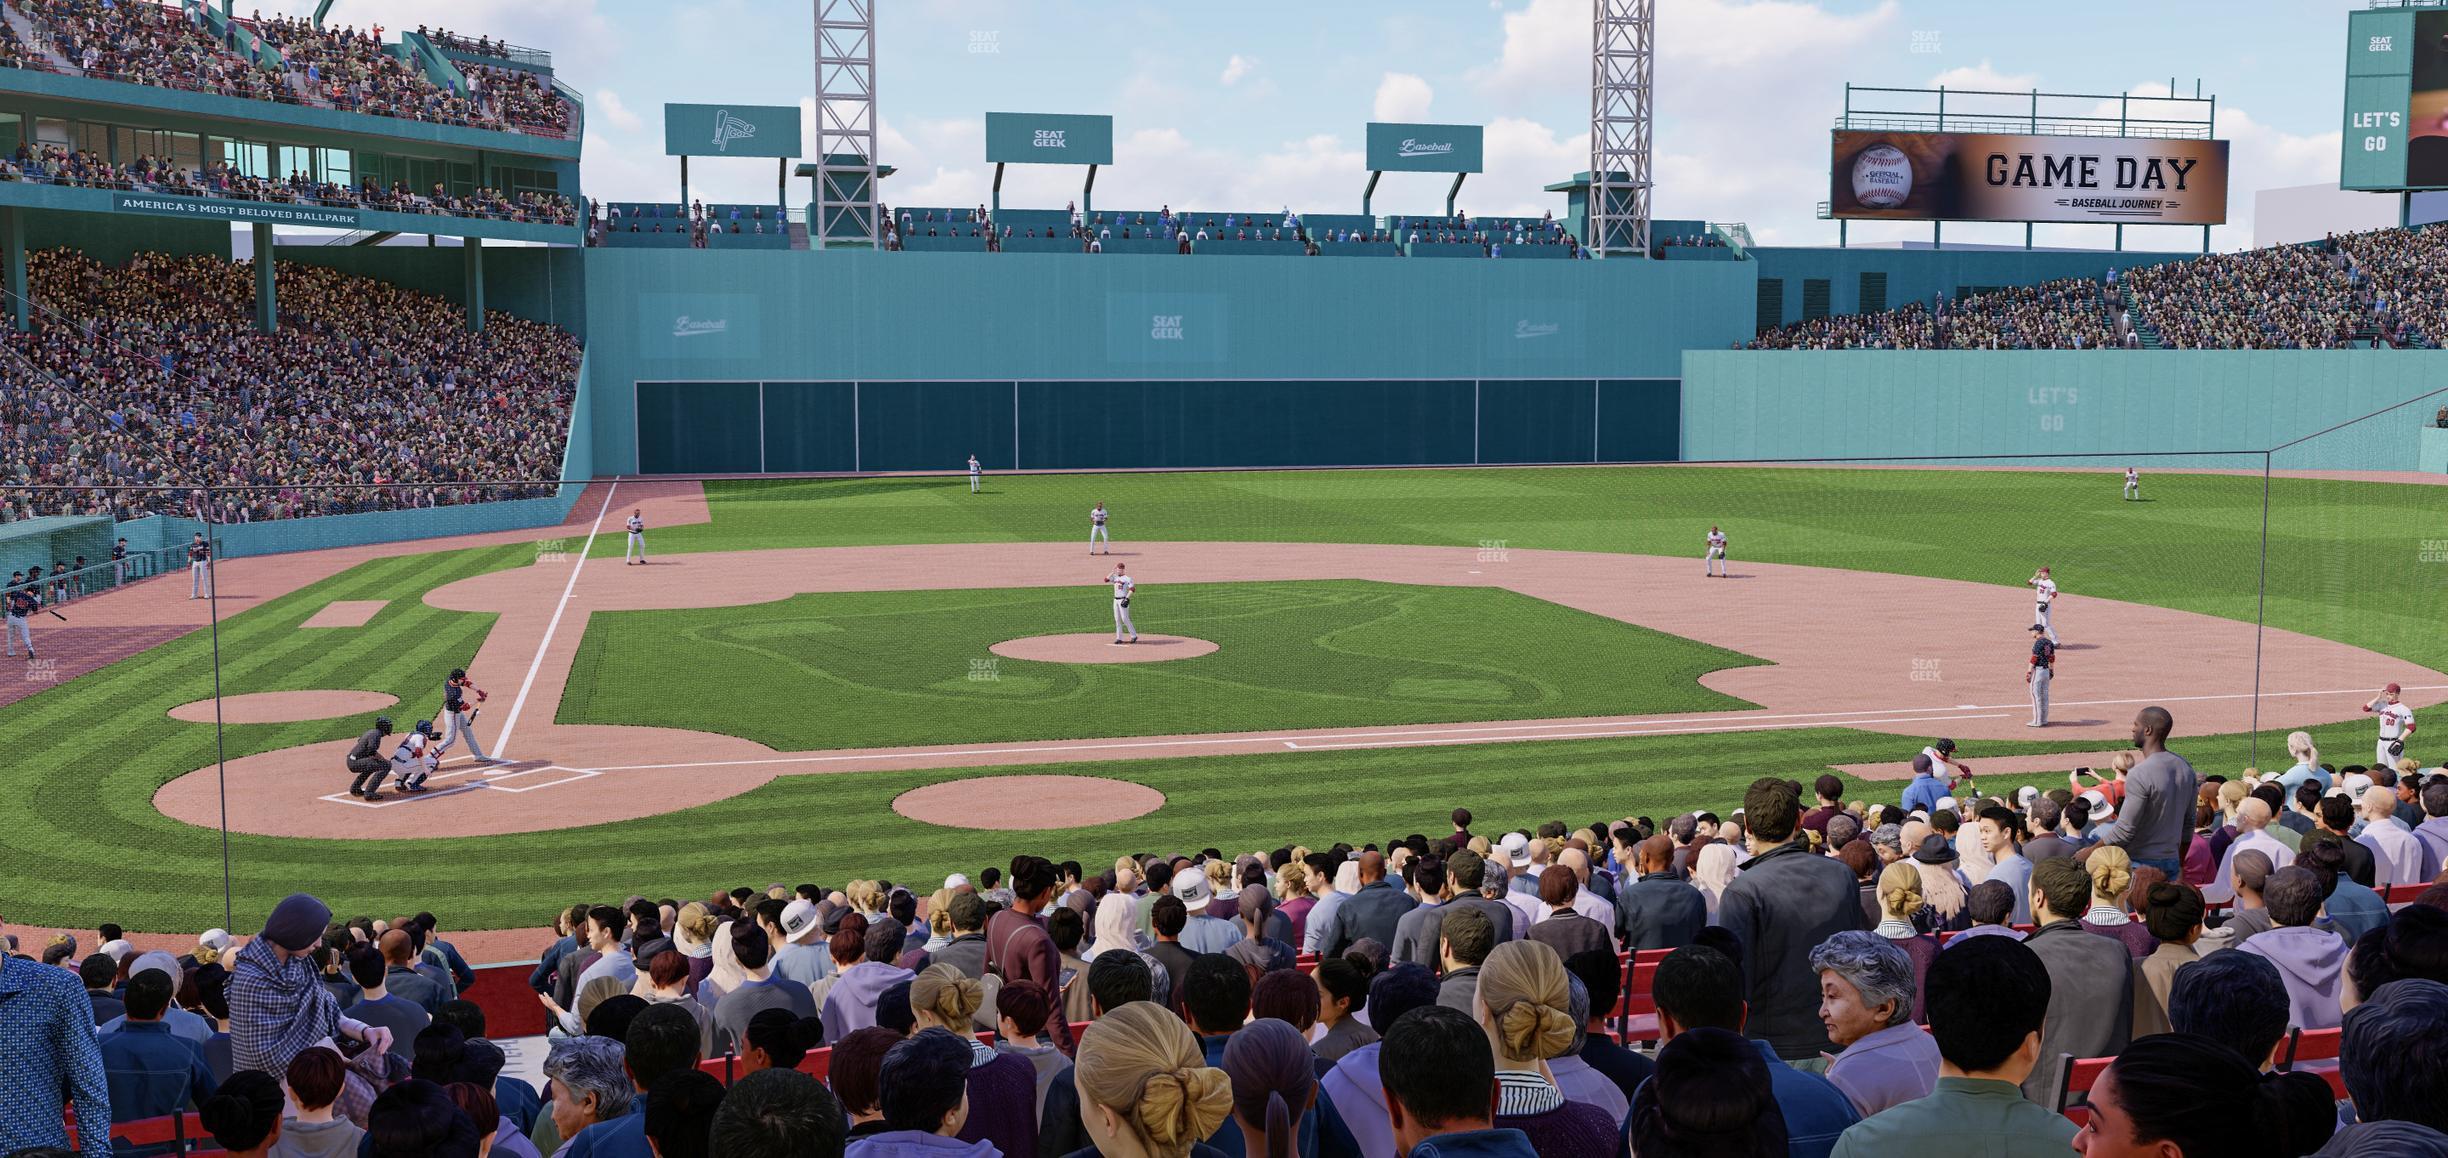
x=460, y=715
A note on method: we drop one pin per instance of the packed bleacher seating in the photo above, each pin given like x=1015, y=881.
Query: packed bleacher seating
x=143, y=382
x=54, y=165
x=1164, y=230
x=170, y=46
x=661, y=224
x=143, y=43
x=2380, y=288
x=2253, y=967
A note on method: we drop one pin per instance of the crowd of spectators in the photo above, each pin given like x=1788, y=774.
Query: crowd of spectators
x=1092, y=231
x=53, y=164
x=141, y=385
x=479, y=45
x=2357, y=290
x=698, y=221
x=143, y=42
x=171, y=46
x=1828, y=977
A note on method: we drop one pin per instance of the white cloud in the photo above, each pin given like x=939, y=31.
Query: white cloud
x=608, y=105
x=1402, y=97
x=1986, y=77
x=1238, y=67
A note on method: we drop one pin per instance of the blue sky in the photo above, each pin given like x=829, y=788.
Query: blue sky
x=1262, y=103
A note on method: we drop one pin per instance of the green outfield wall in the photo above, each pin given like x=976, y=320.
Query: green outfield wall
x=2046, y=404
x=905, y=361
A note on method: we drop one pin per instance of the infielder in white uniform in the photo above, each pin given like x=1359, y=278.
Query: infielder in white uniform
x=2396, y=726
x=976, y=474
x=1122, y=586
x=2044, y=593
x=637, y=537
x=2133, y=484
x=1716, y=553
x=1096, y=529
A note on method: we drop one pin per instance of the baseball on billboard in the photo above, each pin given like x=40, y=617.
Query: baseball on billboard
x=1911, y=176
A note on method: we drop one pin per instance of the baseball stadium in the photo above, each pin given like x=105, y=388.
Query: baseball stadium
x=420, y=496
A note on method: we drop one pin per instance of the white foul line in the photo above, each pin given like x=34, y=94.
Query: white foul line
x=501, y=746
x=1632, y=730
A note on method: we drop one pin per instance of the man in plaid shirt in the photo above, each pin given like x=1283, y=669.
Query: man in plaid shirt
x=48, y=1059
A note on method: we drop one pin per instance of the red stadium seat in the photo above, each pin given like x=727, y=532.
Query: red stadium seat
x=180, y=1130
x=2315, y=1052
x=1635, y=1013
x=2404, y=894
x=2075, y=1078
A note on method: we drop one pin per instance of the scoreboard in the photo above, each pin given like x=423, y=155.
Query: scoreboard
x=2395, y=135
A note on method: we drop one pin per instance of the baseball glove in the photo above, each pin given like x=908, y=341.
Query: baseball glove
x=2396, y=749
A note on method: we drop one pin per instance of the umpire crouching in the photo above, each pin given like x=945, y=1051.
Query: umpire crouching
x=366, y=759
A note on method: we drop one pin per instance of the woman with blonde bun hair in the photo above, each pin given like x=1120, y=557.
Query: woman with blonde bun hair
x=1002, y=1086
x=1900, y=896
x=2112, y=880
x=1145, y=1089
x=1523, y=1003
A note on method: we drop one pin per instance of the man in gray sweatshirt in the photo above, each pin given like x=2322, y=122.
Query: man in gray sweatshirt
x=2156, y=822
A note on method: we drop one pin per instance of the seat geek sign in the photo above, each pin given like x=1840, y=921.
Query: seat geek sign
x=1394, y=147
x=1048, y=139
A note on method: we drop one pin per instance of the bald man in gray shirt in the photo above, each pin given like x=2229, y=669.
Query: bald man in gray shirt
x=2156, y=822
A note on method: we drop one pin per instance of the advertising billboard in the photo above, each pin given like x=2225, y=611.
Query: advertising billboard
x=1049, y=139
x=1903, y=176
x=2395, y=135
x=1394, y=147
x=730, y=130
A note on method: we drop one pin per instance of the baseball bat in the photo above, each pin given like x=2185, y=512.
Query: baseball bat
x=56, y=615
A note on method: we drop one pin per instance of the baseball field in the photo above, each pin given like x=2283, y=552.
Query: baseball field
x=768, y=697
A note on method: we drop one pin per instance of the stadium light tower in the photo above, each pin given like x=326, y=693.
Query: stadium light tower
x=1622, y=35
x=848, y=203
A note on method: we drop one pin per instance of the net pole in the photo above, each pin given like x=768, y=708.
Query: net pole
x=212, y=607
x=2261, y=610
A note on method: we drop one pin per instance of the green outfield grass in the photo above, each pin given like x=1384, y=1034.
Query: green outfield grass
x=878, y=669
x=81, y=842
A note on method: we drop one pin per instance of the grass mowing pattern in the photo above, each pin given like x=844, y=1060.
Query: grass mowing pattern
x=878, y=669
x=80, y=841
x=2346, y=559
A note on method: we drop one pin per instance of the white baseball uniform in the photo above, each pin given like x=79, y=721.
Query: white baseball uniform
x=1096, y=530
x=2044, y=593
x=637, y=540
x=1716, y=551
x=1122, y=586
x=2396, y=722
x=413, y=761
x=2133, y=483
x=976, y=473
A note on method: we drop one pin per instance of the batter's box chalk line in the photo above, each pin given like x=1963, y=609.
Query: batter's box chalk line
x=492, y=780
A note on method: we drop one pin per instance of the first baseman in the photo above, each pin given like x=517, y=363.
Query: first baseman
x=637, y=537
x=2396, y=726
x=1096, y=529
x=2044, y=593
x=1122, y=587
x=461, y=715
x=199, y=568
x=2043, y=670
x=1716, y=554
x=976, y=474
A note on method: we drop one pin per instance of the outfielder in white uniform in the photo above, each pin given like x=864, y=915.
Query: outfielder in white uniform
x=2044, y=593
x=2133, y=484
x=1716, y=554
x=1096, y=529
x=1122, y=587
x=637, y=537
x=415, y=758
x=2396, y=726
x=976, y=474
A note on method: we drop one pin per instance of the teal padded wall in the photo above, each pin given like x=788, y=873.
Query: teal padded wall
x=810, y=427
x=697, y=428
x=935, y=425
x=2037, y=404
x=1538, y=421
x=1640, y=421
x=715, y=316
x=1105, y=425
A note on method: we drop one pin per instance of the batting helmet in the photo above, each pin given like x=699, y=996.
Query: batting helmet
x=1944, y=746
x=425, y=727
x=458, y=673
x=382, y=724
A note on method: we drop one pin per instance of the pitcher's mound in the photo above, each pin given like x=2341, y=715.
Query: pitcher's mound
x=283, y=707
x=1023, y=803
x=1098, y=647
